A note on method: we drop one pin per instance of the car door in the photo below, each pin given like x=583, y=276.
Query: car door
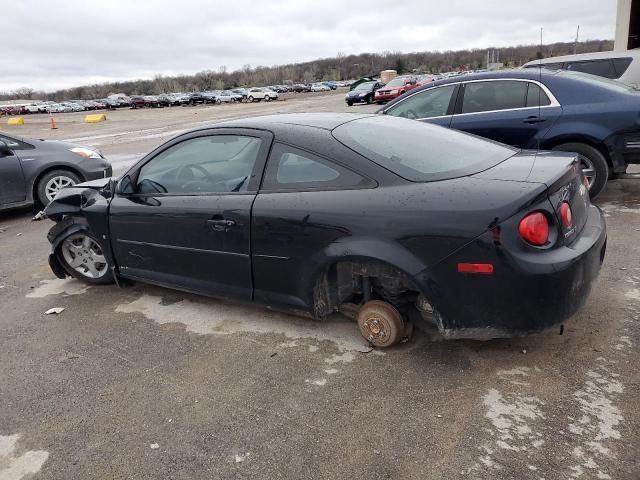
x=12, y=183
x=182, y=216
x=514, y=112
x=433, y=105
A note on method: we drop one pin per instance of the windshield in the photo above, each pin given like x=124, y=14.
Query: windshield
x=364, y=86
x=397, y=82
x=418, y=151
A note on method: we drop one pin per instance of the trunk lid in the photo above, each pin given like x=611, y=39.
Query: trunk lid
x=562, y=175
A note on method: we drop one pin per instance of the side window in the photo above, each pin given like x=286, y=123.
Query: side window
x=426, y=104
x=292, y=169
x=489, y=96
x=211, y=164
x=601, y=68
x=11, y=143
x=621, y=65
x=536, y=96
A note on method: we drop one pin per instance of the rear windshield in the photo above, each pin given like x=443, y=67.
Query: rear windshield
x=608, y=83
x=365, y=86
x=418, y=151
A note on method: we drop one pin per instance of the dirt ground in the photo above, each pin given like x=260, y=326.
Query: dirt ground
x=149, y=383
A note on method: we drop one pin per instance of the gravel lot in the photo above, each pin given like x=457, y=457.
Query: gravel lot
x=146, y=383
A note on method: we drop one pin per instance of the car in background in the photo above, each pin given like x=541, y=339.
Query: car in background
x=331, y=85
x=538, y=109
x=164, y=100
x=261, y=93
x=396, y=87
x=36, y=170
x=197, y=98
x=388, y=220
x=301, y=87
x=241, y=91
x=319, y=87
x=623, y=66
x=137, y=102
x=363, y=93
x=281, y=89
x=227, y=96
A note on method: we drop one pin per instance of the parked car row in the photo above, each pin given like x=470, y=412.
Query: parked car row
x=253, y=94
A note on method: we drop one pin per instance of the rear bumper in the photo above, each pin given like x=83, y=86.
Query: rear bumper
x=524, y=295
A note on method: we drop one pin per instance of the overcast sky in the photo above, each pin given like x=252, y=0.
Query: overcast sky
x=58, y=44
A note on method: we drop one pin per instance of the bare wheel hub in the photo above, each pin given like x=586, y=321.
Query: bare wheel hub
x=380, y=323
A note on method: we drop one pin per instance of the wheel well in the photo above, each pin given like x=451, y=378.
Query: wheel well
x=587, y=141
x=354, y=282
x=34, y=187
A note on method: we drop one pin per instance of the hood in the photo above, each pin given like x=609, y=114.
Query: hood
x=73, y=200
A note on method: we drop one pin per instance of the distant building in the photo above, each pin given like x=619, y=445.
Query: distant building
x=627, y=25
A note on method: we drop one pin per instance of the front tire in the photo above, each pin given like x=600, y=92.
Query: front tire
x=251, y=98
x=52, y=182
x=81, y=255
x=593, y=163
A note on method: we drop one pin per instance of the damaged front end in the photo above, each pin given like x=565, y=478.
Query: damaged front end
x=84, y=206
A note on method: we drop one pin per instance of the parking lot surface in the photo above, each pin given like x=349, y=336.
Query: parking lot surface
x=145, y=382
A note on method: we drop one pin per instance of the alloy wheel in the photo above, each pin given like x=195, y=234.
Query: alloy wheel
x=55, y=184
x=84, y=255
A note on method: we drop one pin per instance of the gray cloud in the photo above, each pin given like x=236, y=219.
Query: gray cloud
x=49, y=45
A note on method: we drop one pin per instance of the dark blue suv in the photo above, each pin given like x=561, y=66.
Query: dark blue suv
x=597, y=118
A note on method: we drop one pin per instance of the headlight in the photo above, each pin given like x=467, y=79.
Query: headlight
x=85, y=152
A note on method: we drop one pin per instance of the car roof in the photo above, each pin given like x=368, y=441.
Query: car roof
x=326, y=121
x=586, y=56
x=525, y=74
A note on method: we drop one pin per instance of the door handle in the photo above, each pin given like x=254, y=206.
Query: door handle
x=531, y=120
x=221, y=225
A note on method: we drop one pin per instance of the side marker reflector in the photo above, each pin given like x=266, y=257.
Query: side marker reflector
x=482, y=268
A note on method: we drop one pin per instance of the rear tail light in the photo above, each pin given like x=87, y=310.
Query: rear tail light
x=534, y=229
x=565, y=214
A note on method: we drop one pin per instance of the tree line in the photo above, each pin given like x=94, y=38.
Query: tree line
x=340, y=67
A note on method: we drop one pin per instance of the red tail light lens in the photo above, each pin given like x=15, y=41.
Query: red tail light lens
x=565, y=214
x=534, y=228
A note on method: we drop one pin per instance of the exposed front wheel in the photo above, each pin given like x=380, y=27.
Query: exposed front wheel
x=593, y=164
x=251, y=98
x=82, y=257
x=380, y=323
x=51, y=183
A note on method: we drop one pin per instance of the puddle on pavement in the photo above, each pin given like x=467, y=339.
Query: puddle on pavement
x=58, y=286
x=217, y=318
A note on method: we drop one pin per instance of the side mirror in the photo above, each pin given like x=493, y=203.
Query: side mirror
x=125, y=186
x=5, y=151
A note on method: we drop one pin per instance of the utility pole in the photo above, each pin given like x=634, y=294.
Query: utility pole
x=575, y=44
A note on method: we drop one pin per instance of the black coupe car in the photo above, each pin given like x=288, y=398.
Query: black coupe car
x=386, y=219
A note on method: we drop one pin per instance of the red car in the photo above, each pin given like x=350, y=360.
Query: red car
x=395, y=88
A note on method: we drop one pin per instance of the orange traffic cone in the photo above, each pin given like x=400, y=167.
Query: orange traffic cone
x=53, y=122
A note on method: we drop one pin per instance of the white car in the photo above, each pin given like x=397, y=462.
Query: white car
x=57, y=108
x=319, y=87
x=623, y=66
x=226, y=97
x=259, y=93
x=35, y=107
